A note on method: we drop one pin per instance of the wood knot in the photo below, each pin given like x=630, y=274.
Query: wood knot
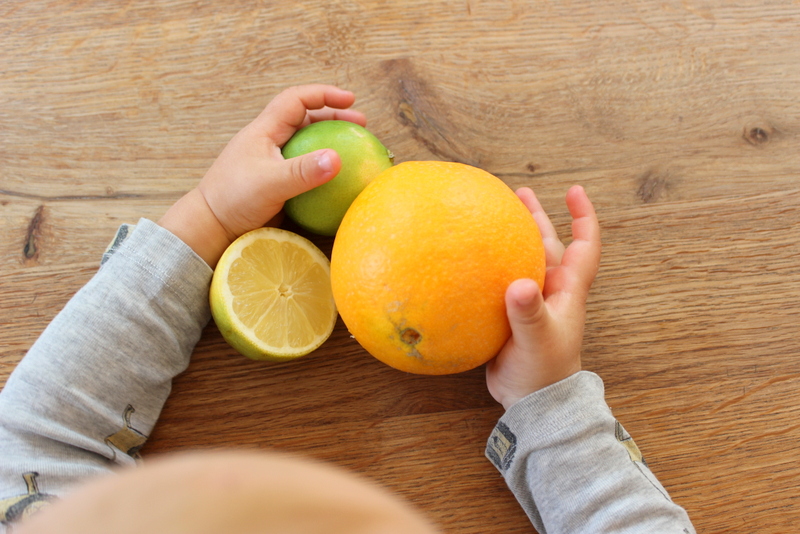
x=30, y=251
x=429, y=115
x=406, y=114
x=756, y=135
x=531, y=167
x=653, y=185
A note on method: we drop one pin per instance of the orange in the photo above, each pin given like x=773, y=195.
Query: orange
x=422, y=260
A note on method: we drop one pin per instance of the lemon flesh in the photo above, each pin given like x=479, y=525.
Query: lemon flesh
x=271, y=295
x=363, y=156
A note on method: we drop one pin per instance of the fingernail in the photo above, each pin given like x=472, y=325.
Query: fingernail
x=324, y=162
x=525, y=300
x=525, y=293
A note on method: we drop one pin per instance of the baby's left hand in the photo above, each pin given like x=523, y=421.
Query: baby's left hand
x=249, y=182
x=547, y=323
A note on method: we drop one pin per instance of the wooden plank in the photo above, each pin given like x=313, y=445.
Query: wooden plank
x=682, y=120
x=657, y=98
x=40, y=233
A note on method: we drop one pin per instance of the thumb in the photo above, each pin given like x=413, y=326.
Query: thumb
x=527, y=313
x=303, y=173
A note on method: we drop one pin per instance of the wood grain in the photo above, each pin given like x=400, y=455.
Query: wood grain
x=682, y=120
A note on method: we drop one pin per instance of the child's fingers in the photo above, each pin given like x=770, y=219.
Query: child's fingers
x=584, y=225
x=527, y=313
x=289, y=110
x=294, y=176
x=553, y=247
x=582, y=257
x=328, y=114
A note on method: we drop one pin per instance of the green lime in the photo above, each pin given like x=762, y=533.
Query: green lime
x=363, y=156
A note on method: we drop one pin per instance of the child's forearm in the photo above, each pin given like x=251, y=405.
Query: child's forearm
x=573, y=467
x=89, y=391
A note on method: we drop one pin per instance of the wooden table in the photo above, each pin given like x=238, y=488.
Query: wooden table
x=681, y=119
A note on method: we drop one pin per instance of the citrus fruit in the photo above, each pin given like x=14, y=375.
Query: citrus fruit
x=321, y=209
x=422, y=260
x=271, y=295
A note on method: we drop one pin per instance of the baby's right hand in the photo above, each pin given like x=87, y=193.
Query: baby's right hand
x=249, y=182
x=547, y=326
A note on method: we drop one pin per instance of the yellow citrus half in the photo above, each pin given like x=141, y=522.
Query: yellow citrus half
x=271, y=295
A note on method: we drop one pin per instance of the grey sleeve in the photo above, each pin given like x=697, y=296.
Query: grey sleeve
x=574, y=468
x=89, y=391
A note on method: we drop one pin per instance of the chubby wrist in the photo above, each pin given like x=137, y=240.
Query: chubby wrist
x=510, y=400
x=533, y=381
x=192, y=221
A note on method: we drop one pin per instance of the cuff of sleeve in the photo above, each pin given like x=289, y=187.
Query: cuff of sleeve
x=544, y=413
x=162, y=254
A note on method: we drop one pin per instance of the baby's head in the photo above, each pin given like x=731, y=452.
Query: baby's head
x=221, y=492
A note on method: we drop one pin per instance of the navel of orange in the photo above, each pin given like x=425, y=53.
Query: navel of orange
x=422, y=260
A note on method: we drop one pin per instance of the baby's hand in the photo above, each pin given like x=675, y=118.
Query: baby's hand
x=249, y=182
x=547, y=326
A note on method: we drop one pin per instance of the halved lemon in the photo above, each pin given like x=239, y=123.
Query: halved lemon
x=271, y=295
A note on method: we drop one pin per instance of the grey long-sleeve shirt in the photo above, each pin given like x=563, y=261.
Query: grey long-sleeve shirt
x=89, y=392
x=574, y=468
